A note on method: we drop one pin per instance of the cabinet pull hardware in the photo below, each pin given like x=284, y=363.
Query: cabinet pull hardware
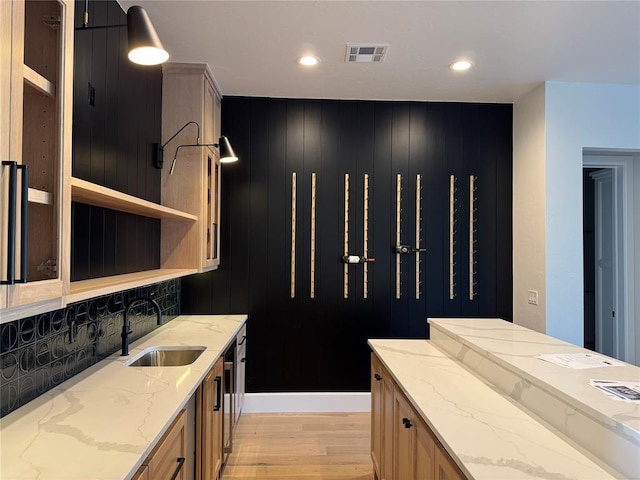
x=218, y=381
x=11, y=222
x=178, y=468
x=243, y=359
x=24, y=225
x=377, y=377
x=407, y=423
x=244, y=339
x=12, y=205
x=215, y=241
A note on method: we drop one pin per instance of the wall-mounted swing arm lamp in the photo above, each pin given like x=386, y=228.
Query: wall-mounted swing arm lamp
x=145, y=47
x=227, y=155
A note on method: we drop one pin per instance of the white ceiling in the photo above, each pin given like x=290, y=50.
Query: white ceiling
x=252, y=46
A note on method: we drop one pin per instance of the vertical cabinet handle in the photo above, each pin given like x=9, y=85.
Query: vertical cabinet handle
x=218, y=381
x=24, y=219
x=178, y=468
x=11, y=222
x=12, y=205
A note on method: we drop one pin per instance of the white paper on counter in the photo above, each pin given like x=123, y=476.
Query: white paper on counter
x=626, y=391
x=580, y=360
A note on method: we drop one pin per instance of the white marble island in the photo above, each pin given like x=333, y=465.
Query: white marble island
x=102, y=423
x=486, y=431
x=505, y=356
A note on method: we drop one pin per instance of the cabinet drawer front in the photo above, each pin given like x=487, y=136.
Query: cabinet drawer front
x=168, y=456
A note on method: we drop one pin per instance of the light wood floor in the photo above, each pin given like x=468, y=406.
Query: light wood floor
x=333, y=446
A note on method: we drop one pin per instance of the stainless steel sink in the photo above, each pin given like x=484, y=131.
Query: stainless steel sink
x=166, y=357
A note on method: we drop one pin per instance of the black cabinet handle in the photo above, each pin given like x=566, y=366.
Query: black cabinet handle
x=11, y=222
x=24, y=225
x=12, y=203
x=243, y=359
x=377, y=377
x=407, y=423
x=215, y=240
x=244, y=338
x=218, y=381
x=178, y=468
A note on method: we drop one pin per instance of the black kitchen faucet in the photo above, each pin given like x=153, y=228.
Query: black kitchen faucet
x=126, y=325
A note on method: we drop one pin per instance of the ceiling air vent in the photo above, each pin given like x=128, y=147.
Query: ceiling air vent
x=365, y=53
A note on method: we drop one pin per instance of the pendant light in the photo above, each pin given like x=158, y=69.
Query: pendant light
x=145, y=47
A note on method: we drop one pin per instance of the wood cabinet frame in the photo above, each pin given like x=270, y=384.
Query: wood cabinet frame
x=36, y=92
x=403, y=447
x=189, y=94
x=209, y=398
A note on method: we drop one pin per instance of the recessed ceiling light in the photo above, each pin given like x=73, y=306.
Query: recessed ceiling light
x=308, y=60
x=461, y=65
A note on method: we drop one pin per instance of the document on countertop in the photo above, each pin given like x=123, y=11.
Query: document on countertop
x=580, y=360
x=626, y=391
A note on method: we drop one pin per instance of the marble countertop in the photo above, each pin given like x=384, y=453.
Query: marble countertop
x=486, y=434
x=102, y=423
x=505, y=356
x=517, y=348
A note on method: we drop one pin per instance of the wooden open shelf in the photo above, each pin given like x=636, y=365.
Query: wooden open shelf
x=40, y=196
x=38, y=82
x=92, y=194
x=96, y=287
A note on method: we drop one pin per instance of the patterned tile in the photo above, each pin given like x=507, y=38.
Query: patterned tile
x=40, y=352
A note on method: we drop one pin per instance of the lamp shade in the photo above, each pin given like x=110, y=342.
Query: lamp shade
x=145, y=47
x=227, y=155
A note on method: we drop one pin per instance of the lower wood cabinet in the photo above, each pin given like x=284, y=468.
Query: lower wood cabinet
x=209, y=398
x=166, y=461
x=402, y=444
x=142, y=473
x=382, y=389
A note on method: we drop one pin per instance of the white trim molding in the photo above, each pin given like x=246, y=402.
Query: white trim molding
x=307, y=402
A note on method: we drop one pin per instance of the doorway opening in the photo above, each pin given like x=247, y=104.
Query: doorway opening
x=610, y=263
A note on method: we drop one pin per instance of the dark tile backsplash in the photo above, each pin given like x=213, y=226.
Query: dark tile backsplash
x=37, y=353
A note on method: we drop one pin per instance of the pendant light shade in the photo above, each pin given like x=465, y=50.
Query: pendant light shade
x=145, y=47
x=227, y=155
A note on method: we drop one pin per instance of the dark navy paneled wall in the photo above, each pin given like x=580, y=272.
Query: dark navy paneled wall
x=116, y=119
x=319, y=344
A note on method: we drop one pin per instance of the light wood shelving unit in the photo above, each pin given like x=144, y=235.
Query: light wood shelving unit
x=97, y=195
x=37, y=81
x=92, y=194
x=36, y=104
x=94, y=287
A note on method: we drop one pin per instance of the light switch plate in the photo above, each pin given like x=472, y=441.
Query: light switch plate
x=533, y=297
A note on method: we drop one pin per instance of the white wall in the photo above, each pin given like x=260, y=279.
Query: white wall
x=636, y=209
x=577, y=116
x=529, y=209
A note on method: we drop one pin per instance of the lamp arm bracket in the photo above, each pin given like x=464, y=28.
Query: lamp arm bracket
x=99, y=27
x=181, y=129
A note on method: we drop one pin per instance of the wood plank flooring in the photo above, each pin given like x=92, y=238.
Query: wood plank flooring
x=331, y=446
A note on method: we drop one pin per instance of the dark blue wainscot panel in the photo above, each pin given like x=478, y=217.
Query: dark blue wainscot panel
x=319, y=344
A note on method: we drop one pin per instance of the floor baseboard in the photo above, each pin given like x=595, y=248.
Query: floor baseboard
x=307, y=402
